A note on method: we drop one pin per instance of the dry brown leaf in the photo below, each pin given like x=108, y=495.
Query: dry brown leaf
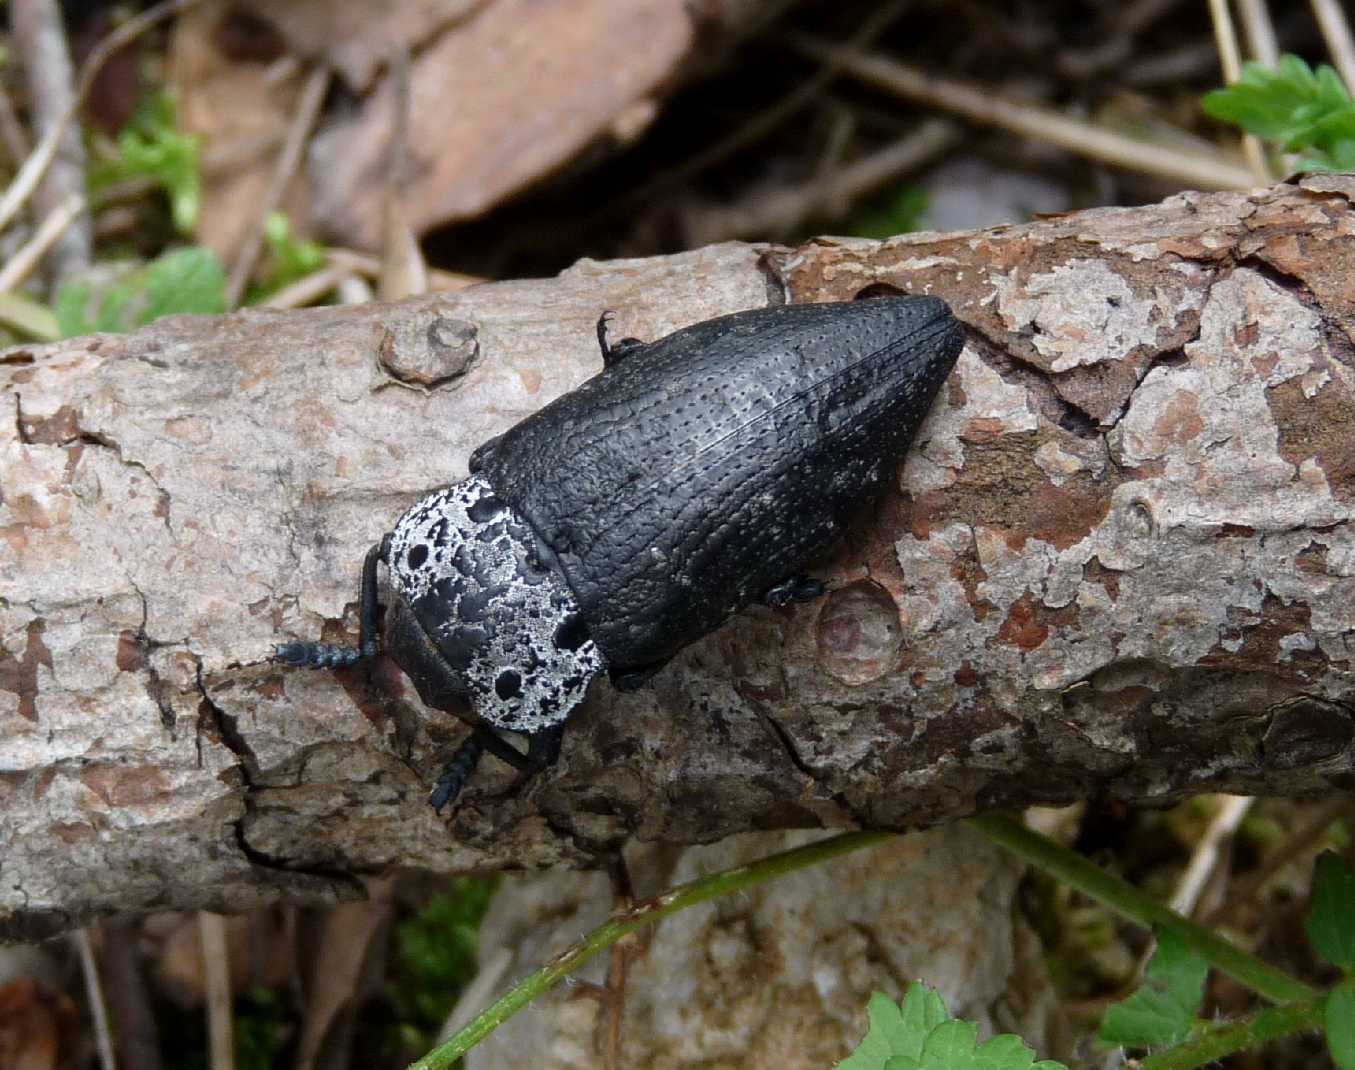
x=356, y=39
x=258, y=955
x=242, y=114
x=497, y=102
x=33, y=1019
x=349, y=930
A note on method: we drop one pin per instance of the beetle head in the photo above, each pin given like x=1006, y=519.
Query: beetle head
x=477, y=615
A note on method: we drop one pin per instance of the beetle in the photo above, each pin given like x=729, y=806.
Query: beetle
x=693, y=476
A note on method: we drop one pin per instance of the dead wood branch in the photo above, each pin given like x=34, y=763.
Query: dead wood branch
x=1121, y=560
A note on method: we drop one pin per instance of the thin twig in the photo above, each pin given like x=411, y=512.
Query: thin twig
x=779, y=212
x=477, y=993
x=26, y=258
x=354, y=290
x=89, y=967
x=1205, y=858
x=29, y=317
x=763, y=123
x=1260, y=31
x=1300, y=842
x=12, y=131
x=1195, y=59
x=620, y=957
x=40, y=40
x=309, y=288
x=1122, y=897
x=35, y=166
x=289, y=158
x=404, y=272
x=645, y=913
x=1230, y=59
x=1336, y=32
x=370, y=266
x=216, y=968
x=138, y=1041
x=982, y=105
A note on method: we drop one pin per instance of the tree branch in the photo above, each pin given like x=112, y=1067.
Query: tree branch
x=1120, y=561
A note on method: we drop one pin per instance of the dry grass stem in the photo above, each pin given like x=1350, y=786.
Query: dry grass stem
x=355, y=290
x=289, y=159
x=781, y=211
x=1331, y=18
x=1204, y=860
x=768, y=120
x=12, y=132
x=981, y=105
x=30, y=318
x=1230, y=59
x=26, y=258
x=39, y=38
x=1303, y=840
x=370, y=266
x=308, y=289
x=21, y=186
x=216, y=968
x=1260, y=31
x=404, y=272
x=94, y=993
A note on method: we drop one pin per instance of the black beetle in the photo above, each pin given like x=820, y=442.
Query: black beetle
x=693, y=476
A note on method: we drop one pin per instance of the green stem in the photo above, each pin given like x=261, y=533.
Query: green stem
x=1245, y=1034
x=646, y=913
x=1126, y=900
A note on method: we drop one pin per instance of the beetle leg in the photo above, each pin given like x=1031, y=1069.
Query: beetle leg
x=331, y=655
x=613, y=352
x=457, y=771
x=794, y=589
x=369, y=614
x=543, y=750
x=634, y=677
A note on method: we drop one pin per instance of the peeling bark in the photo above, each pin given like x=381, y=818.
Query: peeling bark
x=1119, y=560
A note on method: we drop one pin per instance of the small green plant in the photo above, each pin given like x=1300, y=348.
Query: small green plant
x=152, y=147
x=919, y=1034
x=182, y=280
x=1304, y=111
x=1162, y=1016
x=898, y=212
x=435, y=958
x=261, y=1028
x=1163, y=1010
x=289, y=258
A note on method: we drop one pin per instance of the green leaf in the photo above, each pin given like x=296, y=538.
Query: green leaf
x=1306, y=111
x=921, y=1036
x=72, y=301
x=888, y=1035
x=151, y=147
x=898, y=212
x=184, y=280
x=289, y=258
x=1331, y=921
x=1340, y=1021
x=1162, y=1011
x=181, y=280
x=433, y=957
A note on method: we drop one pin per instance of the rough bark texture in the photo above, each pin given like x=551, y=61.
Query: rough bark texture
x=1119, y=560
